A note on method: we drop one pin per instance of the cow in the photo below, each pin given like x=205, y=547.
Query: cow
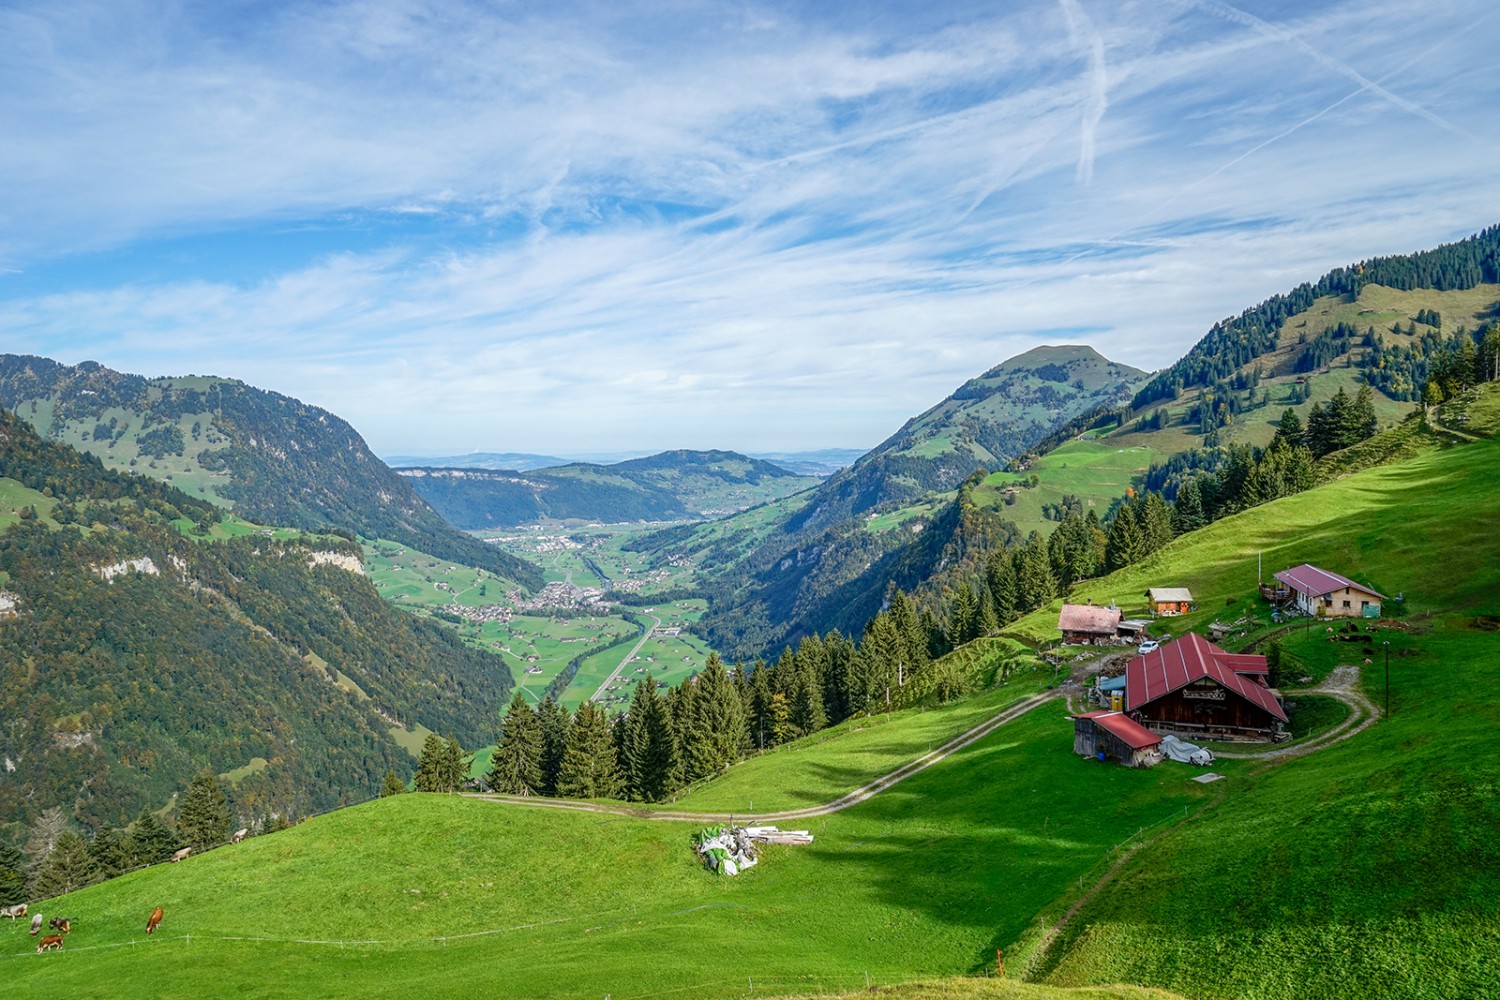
x=61, y=924
x=239, y=835
x=13, y=912
x=49, y=943
x=181, y=854
x=36, y=924
x=154, y=920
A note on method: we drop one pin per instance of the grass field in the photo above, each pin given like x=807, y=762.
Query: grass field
x=463, y=898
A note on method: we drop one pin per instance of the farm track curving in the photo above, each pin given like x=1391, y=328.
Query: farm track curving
x=853, y=798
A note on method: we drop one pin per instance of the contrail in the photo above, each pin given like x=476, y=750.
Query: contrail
x=1224, y=10
x=1079, y=25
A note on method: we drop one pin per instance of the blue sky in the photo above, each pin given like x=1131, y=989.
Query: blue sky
x=588, y=227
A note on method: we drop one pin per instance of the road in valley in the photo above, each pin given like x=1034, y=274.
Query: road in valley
x=628, y=657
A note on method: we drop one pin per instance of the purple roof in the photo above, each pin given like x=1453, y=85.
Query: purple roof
x=1309, y=579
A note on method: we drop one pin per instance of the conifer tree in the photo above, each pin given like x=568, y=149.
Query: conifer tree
x=590, y=769
x=455, y=766
x=963, y=617
x=12, y=876
x=45, y=829
x=1000, y=576
x=1187, y=512
x=554, y=723
x=650, y=758
x=66, y=868
x=1155, y=520
x=431, y=776
x=1034, y=580
x=391, y=785
x=204, y=821
x=711, y=738
x=1124, y=540
x=111, y=852
x=1289, y=431
x=151, y=841
x=836, y=685
x=516, y=768
x=758, y=721
x=807, y=713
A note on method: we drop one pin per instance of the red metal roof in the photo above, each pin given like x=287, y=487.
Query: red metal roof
x=1309, y=579
x=1093, y=618
x=1177, y=664
x=1132, y=733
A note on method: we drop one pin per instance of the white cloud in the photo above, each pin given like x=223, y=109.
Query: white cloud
x=732, y=227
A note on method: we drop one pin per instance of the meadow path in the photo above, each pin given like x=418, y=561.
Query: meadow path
x=853, y=798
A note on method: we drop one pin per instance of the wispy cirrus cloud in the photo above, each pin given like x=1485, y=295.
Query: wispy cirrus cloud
x=740, y=226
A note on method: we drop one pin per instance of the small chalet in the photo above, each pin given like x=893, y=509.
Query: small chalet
x=1191, y=685
x=1319, y=592
x=1088, y=624
x=1170, y=600
x=1115, y=736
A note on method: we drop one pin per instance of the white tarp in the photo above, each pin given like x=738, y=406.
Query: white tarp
x=1186, y=753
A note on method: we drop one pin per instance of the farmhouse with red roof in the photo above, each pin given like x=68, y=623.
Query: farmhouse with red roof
x=1191, y=685
x=1114, y=735
x=1319, y=592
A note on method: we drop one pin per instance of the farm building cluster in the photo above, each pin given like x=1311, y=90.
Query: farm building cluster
x=1190, y=686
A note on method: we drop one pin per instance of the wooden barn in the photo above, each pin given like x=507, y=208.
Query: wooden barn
x=1170, y=600
x=1191, y=685
x=1089, y=624
x=1319, y=592
x=1116, y=737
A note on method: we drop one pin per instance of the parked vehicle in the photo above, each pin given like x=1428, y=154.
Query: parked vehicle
x=1149, y=646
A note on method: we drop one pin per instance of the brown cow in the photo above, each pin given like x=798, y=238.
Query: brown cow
x=49, y=943
x=155, y=919
x=62, y=924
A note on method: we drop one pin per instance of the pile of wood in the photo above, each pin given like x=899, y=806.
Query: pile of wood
x=730, y=850
x=771, y=835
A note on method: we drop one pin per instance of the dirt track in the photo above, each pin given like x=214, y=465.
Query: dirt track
x=853, y=798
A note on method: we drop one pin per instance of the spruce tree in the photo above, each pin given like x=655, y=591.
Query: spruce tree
x=392, y=785
x=1155, y=520
x=1289, y=431
x=651, y=746
x=807, y=703
x=12, y=876
x=963, y=618
x=430, y=765
x=111, y=852
x=66, y=868
x=204, y=820
x=589, y=767
x=45, y=829
x=841, y=655
x=151, y=841
x=1000, y=575
x=455, y=766
x=711, y=738
x=516, y=768
x=554, y=722
x=1187, y=512
x=1034, y=579
x=1123, y=546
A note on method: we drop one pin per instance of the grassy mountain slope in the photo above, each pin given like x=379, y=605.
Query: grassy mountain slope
x=144, y=650
x=1364, y=869
x=985, y=423
x=468, y=898
x=670, y=486
x=277, y=460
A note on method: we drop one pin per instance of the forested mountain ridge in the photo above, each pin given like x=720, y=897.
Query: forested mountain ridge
x=985, y=423
x=134, y=654
x=1232, y=344
x=670, y=486
x=276, y=459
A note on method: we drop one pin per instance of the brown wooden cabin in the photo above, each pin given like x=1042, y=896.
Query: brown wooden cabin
x=1117, y=737
x=1089, y=625
x=1192, y=686
x=1170, y=600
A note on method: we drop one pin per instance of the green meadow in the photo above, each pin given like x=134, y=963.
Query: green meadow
x=466, y=898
